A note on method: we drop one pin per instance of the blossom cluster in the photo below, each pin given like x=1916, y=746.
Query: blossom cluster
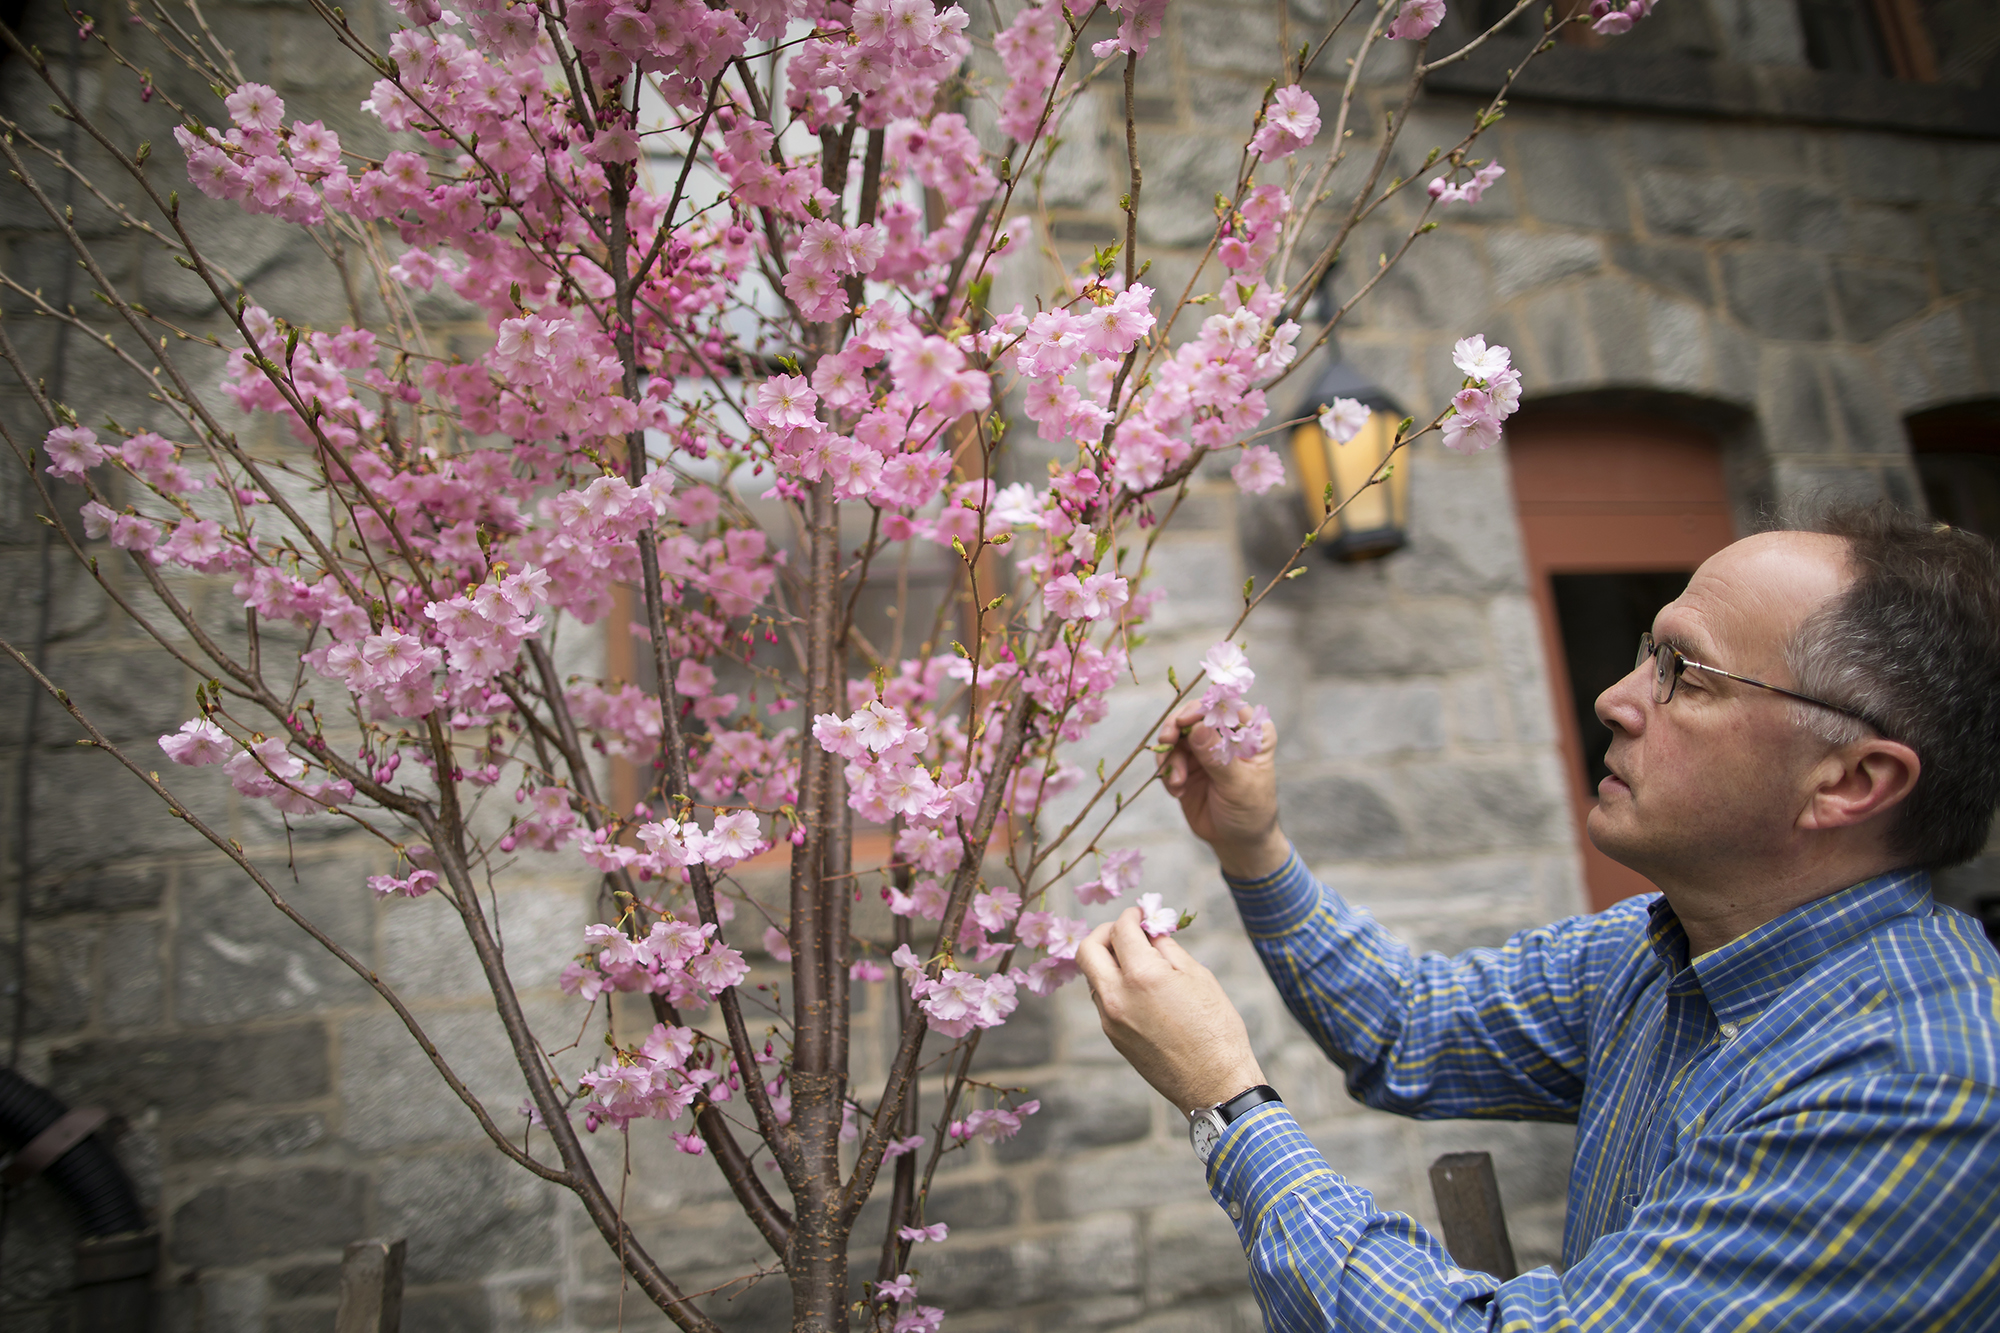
x=1492, y=393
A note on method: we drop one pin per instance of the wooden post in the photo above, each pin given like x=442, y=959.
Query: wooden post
x=1468, y=1203
x=371, y=1288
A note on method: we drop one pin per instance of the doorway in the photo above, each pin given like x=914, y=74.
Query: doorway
x=1616, y=512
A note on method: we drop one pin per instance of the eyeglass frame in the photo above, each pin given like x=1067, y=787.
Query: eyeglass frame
x=1650, y=649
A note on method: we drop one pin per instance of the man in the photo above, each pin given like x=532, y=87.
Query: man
x=1784, y=1068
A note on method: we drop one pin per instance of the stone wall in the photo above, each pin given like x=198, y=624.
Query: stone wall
x=1804, y=276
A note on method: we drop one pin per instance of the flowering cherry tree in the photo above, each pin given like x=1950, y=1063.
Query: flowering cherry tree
x=738, y=264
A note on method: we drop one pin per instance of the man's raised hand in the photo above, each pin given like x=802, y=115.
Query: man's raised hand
x=1167, y=1014
x=1231, y=806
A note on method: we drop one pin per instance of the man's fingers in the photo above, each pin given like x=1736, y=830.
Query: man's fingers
x=1095, y=961
x=1169, y=948
x=1136, y=955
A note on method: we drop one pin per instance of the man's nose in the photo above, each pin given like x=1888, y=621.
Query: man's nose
x=1623, y=707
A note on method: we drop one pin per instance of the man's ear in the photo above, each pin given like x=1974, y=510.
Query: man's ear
x=1858, y=782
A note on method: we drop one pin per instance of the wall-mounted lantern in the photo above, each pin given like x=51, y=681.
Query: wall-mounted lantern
x=1376, y=518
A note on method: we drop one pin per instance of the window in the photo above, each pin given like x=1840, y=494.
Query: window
x=1957, y=454
x=1886, y=38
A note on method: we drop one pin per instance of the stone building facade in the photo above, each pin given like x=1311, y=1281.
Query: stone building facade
x=1696, y=224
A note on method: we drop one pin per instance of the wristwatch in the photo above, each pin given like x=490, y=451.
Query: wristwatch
x=1205, y=1126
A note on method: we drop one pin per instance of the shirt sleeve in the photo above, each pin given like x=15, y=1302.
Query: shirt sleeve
x=1493, y=1033
x=1848, y=1205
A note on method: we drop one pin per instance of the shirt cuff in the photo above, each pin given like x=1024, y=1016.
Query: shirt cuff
x=1279, y=902
x=1265, y=1156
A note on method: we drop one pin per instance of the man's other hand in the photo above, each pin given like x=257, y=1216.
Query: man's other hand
x=1167, y=1014
x=1233, y=807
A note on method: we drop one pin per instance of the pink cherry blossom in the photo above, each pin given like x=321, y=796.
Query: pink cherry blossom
x=1416, y=19
x=199, y=741
x=72, y=450
x=1157, y=920
x=1258, y=470
x=1344, y=420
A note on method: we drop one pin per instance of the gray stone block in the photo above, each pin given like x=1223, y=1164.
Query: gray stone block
x=1086, y=1259
x=1661, y=142
x=1960, y=359
x=1966, y=247
x=1894, y=169
x=237, y=957
x=1231, y=37
x=1974, y=175
x=126, y=888
x=1875, y=299
x=265, y=1216
x=390, y=1094
x=1777, y=293
x=1398, y=638
x=467, y=1214
x=1801, y=215
x=1559, y=359
x=1525, y=260
x=1736, y=364
x=1795, y=403
x=195, y=1075
x=134, y=981
x=1193, y=1251
x=1868, y=419
x=1478, y=807
x=1572, y=177
x=1473, y=712
x=1617, y=313
x=1677, y=343
x=1025, y=1040
x=973, y=1205
x=1339, y=818
x=1351, y=721
x=426, y=954
x=274, y=1136
x=1681, y=204
x=1440, y=283
x=1886, y=230
x=1094, y=1111
x=1150, y=1174
x=108, y=816
x=1075, y=172
x=308, y=1281
x=459, y=1309
x=57, y=985
x=1184, y=173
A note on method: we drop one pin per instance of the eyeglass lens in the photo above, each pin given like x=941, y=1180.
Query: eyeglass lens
x=1666, y=664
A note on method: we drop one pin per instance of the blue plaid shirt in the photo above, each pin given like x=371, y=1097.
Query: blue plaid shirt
x=1799, y=1130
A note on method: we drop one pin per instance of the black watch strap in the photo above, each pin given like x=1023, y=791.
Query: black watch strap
x=1245, y=1102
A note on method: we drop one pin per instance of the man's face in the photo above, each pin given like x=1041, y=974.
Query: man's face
x=1716, y=776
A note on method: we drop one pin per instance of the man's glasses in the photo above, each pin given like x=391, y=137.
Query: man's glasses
x=1669, y=663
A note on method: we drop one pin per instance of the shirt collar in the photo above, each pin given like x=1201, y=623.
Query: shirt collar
x=1740, y=978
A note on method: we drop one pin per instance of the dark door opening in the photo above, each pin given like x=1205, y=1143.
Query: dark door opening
x=1600, y=618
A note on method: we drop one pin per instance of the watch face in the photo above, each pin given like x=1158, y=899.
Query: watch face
x=1204, y=1132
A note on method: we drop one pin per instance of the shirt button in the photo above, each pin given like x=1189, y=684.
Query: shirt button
x=1235, y=1211
x=1729, y=1031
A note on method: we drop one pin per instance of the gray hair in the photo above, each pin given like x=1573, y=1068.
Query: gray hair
x=1913, y=644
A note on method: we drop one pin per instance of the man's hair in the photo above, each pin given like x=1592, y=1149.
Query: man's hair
x=1913, y=644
